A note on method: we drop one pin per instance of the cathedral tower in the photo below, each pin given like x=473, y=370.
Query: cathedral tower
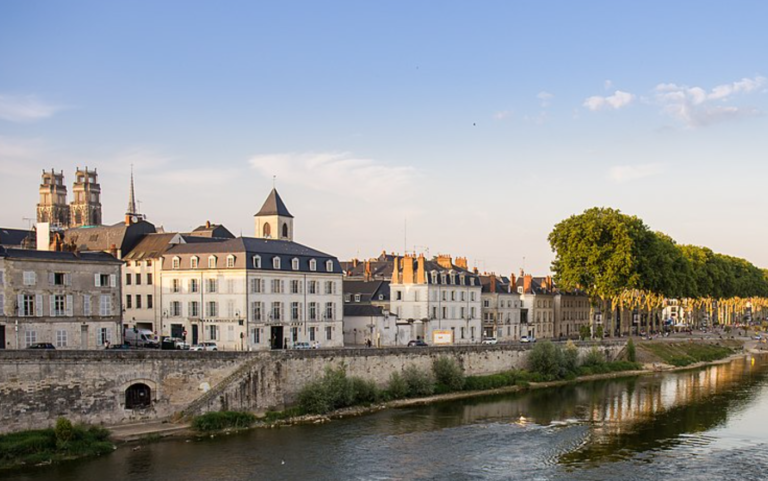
x=273, y=220
x=53, y=206
x=86, y=208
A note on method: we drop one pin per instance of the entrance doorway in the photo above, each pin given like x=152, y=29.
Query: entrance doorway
x=83, y=337
x=276, y=337
x=138, y=396
x=2, y=337
x=194, y=334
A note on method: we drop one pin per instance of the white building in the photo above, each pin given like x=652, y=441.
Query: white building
x=537, y=297
x=253, y=293
x=500, y=308
x=441, y=298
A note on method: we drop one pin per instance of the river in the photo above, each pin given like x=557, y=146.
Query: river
x=705, y=424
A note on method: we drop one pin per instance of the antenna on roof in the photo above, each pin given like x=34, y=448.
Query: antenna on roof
x=405, y=235
x=274, y=180
x=29, y=222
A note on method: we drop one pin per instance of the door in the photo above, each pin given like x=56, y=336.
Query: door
x=83, y=337
x=2, y=337
x=194, y=334
x=276, y=338
x=177, y=330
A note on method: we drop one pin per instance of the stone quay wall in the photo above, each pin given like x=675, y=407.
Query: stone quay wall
x=36, y=387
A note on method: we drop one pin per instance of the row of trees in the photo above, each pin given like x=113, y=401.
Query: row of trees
x=621, y=263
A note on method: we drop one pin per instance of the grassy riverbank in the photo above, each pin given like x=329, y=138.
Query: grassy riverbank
x=681, y=354
x=47, y=446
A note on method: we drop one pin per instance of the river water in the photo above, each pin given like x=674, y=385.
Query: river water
x=707, y=424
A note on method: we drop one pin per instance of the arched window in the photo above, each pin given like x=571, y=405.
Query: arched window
x=138, y=396
x=257, y=262
x=295, y=264
x=175, y=262
x=267, y=230
x=285, y=230
x=78, y=217
x=193, y=262
x=329, y=266
x=276, y=262
x=230, y=261
x=312, y=265
x=212, y=262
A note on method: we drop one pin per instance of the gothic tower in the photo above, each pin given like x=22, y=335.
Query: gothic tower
x=53, y=206
x=86, y=208
x=273, y=220
x=132, y=214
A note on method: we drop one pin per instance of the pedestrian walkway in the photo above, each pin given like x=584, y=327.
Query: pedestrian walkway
x=140, y=430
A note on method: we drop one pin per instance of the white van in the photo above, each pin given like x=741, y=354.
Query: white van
x=140, y=337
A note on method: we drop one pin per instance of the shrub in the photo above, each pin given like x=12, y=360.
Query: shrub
x=448, y=373
x=631, y=353
x=546, y=359
x=364, y=391
x=217, y=421
x=397, y=388
x=335, y=391
x=599, y=332
x=584, y=332
x=594, y=358
x=63, y=432
x=570, y=359
x=420, y=382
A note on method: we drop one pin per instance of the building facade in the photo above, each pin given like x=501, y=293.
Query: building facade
x=500, y=308
x=537, y=297
x=571, y=314
x=69, y=300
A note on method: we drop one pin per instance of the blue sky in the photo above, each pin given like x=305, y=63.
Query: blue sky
x=479, y=124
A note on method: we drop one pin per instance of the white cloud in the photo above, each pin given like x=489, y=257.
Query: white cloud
x=25, y=108
x=339, y=173
x=501, y=115
x=626, y=173
x=546, y=98
x=695, y=107
x=616, y=101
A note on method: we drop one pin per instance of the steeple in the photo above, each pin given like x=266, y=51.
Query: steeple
x=131, y=198
x=274, y=221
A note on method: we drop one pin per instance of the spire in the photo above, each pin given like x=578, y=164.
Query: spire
x=274, y=206
x=131, y=198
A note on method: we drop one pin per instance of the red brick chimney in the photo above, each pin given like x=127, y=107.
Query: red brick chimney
x=527, y=280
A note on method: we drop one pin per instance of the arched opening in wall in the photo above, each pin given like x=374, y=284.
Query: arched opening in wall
x=285, y=230
x=78, y=218
x=267, y=230
x=138, y=396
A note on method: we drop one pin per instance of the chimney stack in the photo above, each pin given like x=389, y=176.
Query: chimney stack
x=396, y=271
x=207, y=224
x=408, y=269
x=527, y=281
x=367, y=275
x=421, y=275
x=462, y=262
x=444, y=261
x=493, y=283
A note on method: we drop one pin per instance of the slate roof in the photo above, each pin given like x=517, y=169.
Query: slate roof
x=502, y=284
x=212, y=230
x=368, y=290
x=13, y=237
x=57, y=256
x=538, y=285
x=274, y=206
x=152, y=246
x=362, y=310
x=102, y=238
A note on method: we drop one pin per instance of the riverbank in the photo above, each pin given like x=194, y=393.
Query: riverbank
x=161, y=430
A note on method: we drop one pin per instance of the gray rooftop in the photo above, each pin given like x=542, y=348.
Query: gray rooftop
x=274, y=206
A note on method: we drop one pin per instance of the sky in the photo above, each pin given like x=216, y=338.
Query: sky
x=442, y=127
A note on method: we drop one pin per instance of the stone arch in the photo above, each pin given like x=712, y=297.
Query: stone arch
x=267, y=230
x=138, y=396
x=285, y=229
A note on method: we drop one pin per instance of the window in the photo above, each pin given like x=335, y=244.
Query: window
x=2, y=304
x=256, y=262
x=257, y=336
x=138, y=301
x=463, y=313
x=30, y=278
x=27, y=307
x=193, y=262
x=472, y=296
x=231, y=286
x=149, y=263
x=127, y=279
x=212, y=284
x=61, y=338
x=471, y=312
x=267, y=230
x=462, y=295
x=329, y=287
x=175, y=263
x=462, y=279
x=230, y=308
x=486, y=303
x=313, y=311
x=138, y=279
x=230, y=261
x=149, y=279
x=329, y=311
x=312, y=287
x=453, y=295
x=295, y=264
x=105, y=305
x=329, y=333
x=256, y=311
x=103, y=336
x=347, y=297
x=230, y=333
x=276, y=311
x=312, y=333
x=212, y=262
x=295, y=287
x=213, y=332
x=277, y=286
x=275, y=262
x=30, y=337
x=86, y=305
x=128, y=304
x=398, y=295
x=329, y=265
x=149, y=301
x=212, y=309
x=357, y=297
x=175, y=285
x=256, y=285
x=194, y=309
x=194, y=285
x=294, y=311
x=312, y=265
x=285, y=230
x=175, y=309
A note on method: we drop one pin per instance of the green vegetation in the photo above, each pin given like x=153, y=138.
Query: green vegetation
x=218, y=421
x=448, y=374
x=43, y=446
x=631, y=351
x=335, y=391
x=686, y=353
x=554, y=363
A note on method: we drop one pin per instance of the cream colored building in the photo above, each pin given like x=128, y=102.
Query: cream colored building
x=571, y=313
x=537, y=316
x=500, y=308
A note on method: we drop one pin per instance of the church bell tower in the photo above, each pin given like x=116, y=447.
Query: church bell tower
x=273, y=220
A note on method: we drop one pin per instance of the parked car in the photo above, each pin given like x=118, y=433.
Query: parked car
x=302, y=345
x=527, y=339
x=175, y=343
x=41, y=345
x=205, y=346
x=490, y=341
x=124, y=345
x=417, y=343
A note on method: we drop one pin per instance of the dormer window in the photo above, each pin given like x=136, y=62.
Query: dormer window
x=312, y=265
x=230, y=261
x=462, y=280
x=212, y=262
x=472, y=281
x=520, y=290
x=256, y=262
x=453, y=278
x=175, y=263
x=295, y=264
x=329, y=266
x=275, y=262
x=442, y=279
x=434, y=277
x=357, y=297
x=193, y=262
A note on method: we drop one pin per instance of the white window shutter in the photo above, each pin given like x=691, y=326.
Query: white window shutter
x=112, y=280
x=67, y=279
x=51, y=278
x=39, y=305
x=51, y=299
x=97, y=280
x=20, y=305
x=86, y=305
x=112, y=305
x=70, y=305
